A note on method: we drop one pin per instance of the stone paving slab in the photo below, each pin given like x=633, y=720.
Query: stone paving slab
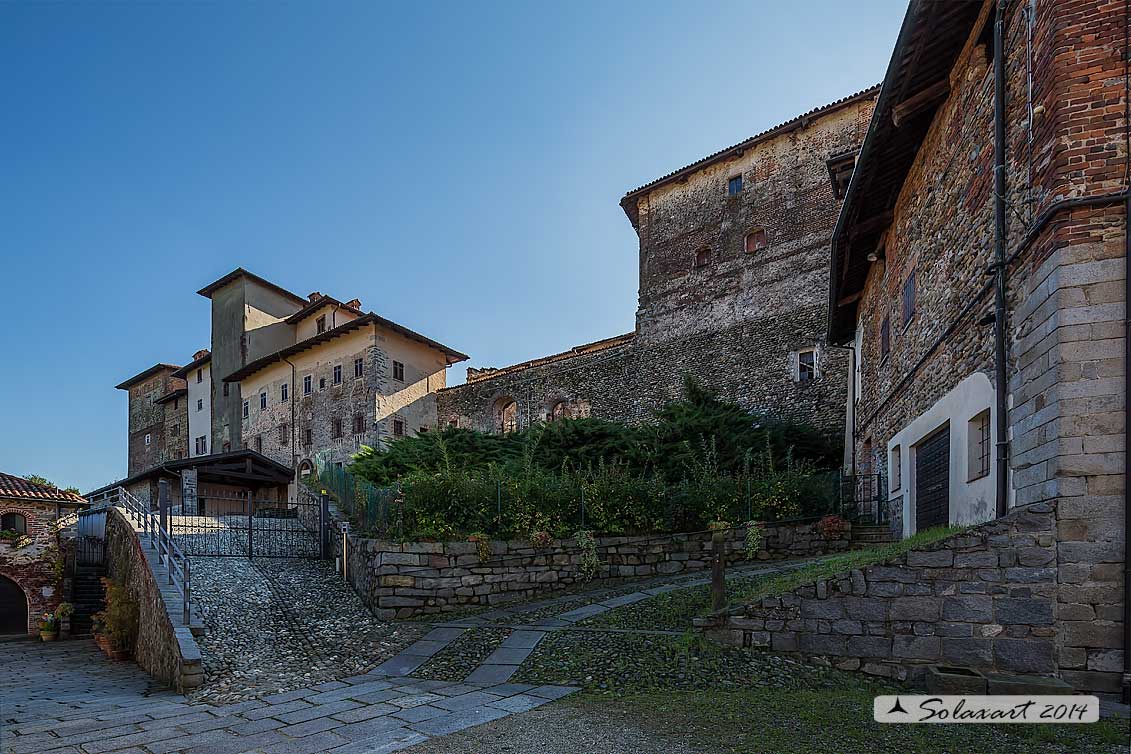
x=493, y=673
x=522, y=639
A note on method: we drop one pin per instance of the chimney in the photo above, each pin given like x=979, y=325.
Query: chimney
x=314, y=296
x=200, y=354
x=354, y=303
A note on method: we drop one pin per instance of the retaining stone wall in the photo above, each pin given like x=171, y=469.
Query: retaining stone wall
x=986, y=598
x=165, y=650
x=403, y=580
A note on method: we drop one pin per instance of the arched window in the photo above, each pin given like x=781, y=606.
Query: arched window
x=506, y=415
x=703, y=257
x=756, y=240
x=16, y=522
x=559, y=411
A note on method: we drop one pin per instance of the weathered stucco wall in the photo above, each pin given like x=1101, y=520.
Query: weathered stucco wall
x=32, y=565
x=402, y=580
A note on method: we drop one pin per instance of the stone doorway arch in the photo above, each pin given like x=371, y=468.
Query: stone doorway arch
x=13, y=608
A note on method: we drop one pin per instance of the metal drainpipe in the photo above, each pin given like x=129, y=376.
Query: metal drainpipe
x=1126, y=685
x=1001, y=389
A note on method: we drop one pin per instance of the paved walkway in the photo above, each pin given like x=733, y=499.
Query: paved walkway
x=69, y=699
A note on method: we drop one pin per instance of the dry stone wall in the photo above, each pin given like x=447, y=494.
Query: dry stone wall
x=992, y=598
x=403, y=580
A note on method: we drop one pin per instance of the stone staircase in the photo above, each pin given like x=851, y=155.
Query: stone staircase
x=89, y=597
x=865, y=536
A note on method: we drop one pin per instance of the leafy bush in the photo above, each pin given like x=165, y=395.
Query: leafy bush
x=702, y=460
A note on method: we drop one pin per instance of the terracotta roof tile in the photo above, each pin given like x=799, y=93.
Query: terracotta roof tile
x=18, y=488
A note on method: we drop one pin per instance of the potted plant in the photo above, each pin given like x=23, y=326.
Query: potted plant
x=117, y=624
x=64, y=613
x=48, y=627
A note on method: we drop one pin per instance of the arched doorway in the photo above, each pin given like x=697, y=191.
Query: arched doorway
x=506, y=415
x=13, y=607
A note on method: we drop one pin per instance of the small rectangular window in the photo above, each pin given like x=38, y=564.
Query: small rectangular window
x=358, y=424
x=336, y=428
x=148, y=439
x=807, y=365
x=358, y=367
x=199, y=375
x=885, y=337
x=308, y=436
x=284, y=434
x=398, y=428
x=338, y=374
x=245, y=409
x=285, y=392
x=307, y=385
x=320, y=323
x=259, y=443
x=978, y=439
x=895, y=469
x=734, y=185
x=321, y=383
x=262, y=400
x=398, y=371
x=909, y=298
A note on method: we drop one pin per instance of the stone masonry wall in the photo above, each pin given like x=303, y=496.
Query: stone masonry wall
x=986, y=598
x=403, y=580
x=748, y=363
x=148, y=417
x=165, y=651
x=732, y=322
x=31, y=564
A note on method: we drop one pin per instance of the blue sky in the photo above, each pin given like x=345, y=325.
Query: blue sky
x=456, y=166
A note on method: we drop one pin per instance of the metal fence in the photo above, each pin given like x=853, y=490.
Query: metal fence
x=863, y=498
x=228, y=523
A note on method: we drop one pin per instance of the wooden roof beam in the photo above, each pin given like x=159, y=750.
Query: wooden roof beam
x=919, y=102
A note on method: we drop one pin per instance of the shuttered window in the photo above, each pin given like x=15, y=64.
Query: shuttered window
x=909, y=298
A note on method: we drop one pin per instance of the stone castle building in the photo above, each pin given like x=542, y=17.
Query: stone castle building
x=734, y=253
x=287, y=378
x=915, y=269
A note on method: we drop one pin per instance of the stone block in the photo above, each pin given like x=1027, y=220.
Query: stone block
x=1033, y=612
x=914, y=608
x=916, y=647
x=968, y=652
x=1004, y=684
x=943, y=679
x=869, y=646
x=1096, y=634
x=822, y=644
x=859, y=608
x=827, y=609
x=968, y=608
x=1024, y=655
x=987, y=559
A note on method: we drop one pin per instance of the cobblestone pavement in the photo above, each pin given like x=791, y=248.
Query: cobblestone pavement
x=69, y=699
x=278, y=624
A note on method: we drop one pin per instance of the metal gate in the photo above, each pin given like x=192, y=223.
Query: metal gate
x=228, y=523
x=932, y=481
x=862, y=498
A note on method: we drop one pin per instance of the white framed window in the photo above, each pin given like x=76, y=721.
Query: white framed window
x=978, y=442
x=307, y=385
x=284, y=392
x=320, y=324
x=398, y=371
x=262, y=400
x=246, y=409
x=148, y=439
x=804, y=365
x=199, y=404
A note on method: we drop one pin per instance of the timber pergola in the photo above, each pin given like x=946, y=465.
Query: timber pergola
x=236, y=468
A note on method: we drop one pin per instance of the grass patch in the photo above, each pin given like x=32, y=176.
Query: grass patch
x=746, y=590
x=819, y=721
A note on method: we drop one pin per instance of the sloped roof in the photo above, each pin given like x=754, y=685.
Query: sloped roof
x=930, y=42
x=240, y=272
x=145, y=375
x=628, y=203
x=17, y=488
x=187, y=369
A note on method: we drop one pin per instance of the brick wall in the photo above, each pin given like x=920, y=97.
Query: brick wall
x=32, y=565
x=402, y=580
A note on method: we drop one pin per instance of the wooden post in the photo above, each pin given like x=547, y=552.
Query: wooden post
x=718, y=571
x=249, y=522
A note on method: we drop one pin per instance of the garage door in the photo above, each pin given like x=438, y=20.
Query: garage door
x=13, y=608
x=932, y=481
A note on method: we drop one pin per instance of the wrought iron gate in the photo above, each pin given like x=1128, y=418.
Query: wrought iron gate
x=233, y=524
x=863, y=498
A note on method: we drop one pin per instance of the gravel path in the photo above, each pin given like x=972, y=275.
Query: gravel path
x=277, y=624
x=456, y=661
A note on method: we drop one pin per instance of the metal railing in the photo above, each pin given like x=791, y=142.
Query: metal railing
x=149, y=524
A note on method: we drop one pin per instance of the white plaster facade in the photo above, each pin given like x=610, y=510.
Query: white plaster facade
x=200, y=410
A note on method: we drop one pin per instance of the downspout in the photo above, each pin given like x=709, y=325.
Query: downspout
x=292, y=398
x=1126, y=685
x=999, y=266
x=853, y=366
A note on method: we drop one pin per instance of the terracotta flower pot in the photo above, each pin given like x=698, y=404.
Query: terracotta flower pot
x=48, y=635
